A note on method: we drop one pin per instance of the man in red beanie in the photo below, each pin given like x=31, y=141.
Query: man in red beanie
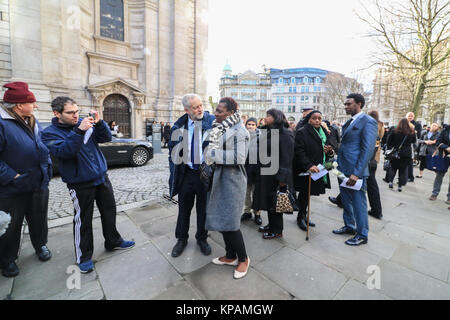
x=25, y=171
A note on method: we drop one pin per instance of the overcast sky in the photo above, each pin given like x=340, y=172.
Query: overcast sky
x=322, y=34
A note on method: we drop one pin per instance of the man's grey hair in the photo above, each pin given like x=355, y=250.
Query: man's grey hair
x=187, y=98
x=8, y=105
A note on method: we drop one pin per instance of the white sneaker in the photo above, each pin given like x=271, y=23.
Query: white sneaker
x=239, y=275
x=221, y=263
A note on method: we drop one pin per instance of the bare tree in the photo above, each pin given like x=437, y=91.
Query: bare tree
x=336, y=88
x=414, y=40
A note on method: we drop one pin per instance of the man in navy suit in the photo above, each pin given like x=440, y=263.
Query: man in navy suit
x=187, y=135
x=359, y=135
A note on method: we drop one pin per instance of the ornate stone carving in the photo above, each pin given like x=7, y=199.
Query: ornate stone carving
x=139, y=100
x=98, y=96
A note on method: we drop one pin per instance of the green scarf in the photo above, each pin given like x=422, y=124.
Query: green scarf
x=322, y=137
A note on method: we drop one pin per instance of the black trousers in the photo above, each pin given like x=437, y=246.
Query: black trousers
x=423, y=163
x=83, y=197
x=410, y=170
x=275, y=222
x=373, y=193
x=302, y=201
x=402, y=166
x=192, y=189
x=33, y=207
x=234, y=245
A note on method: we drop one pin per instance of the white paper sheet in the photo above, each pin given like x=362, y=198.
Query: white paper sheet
x=320, y=174
x=356, y=187
x=87, y=135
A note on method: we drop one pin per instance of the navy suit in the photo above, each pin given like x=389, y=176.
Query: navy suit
x=355, y=152
x=184, y=181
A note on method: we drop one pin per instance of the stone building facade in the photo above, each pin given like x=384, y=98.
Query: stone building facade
x=296, y=88
x=391, y=98
x=132, y=60
x=251, y=91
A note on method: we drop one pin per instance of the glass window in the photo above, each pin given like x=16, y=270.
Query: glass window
x=293, y=108
x=305, y=79
x=295, y=89
x=280, y=80
x=289, y=109
x=111, y=19
x=294, y=99
x=306, y=89
x=290, y=89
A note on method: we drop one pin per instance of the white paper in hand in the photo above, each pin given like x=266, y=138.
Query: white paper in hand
x=320, y=174
x=356, y=187
x=87, y=135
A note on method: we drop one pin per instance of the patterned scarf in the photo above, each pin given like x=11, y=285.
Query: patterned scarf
x=218, y=129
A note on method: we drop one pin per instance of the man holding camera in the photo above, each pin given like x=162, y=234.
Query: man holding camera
x=74, y=141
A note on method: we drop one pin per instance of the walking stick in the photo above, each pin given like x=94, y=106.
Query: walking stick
x=309, y=207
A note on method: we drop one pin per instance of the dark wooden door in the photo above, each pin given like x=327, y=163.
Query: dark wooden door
x=117, y=108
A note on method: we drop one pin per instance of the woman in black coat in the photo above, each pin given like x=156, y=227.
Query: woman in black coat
x=268, y=184
x=401, y=139
x=309, y=152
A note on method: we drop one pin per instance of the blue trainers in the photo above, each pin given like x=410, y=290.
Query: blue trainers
x=125, y=245
x=86, y=267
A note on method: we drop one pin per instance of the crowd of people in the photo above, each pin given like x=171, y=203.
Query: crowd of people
x=230, y=166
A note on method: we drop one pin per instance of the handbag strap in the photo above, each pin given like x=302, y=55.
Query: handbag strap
x=399, y=148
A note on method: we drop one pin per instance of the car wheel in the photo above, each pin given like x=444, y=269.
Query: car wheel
x=139, y=157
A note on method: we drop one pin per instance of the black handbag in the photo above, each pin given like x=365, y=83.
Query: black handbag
x=386, y=165
x=394, y=153
x=206, y=175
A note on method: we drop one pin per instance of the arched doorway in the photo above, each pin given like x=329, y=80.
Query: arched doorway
x=117, y=108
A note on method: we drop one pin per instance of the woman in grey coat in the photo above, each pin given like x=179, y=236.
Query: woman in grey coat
x=227, y=150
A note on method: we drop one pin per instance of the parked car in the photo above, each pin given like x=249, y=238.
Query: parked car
x=120, y=151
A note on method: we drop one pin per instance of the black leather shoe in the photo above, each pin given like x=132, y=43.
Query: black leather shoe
x=44, y=254
x=264, y=229
x=345, y=230
x=377, y=216
x=11, y=270
x=204, y=247
x=335, y=201
x=246, y=216
x=258, y=219
x=178, y=248
x=271, y=235
x=303, y=224
x=356, y=241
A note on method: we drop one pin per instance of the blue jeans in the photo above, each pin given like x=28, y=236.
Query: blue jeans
x=355, y=209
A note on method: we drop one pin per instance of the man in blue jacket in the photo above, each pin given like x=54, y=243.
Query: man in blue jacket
x=74, y=142
x=187, y=135
x=359, y=135
x=25, y=171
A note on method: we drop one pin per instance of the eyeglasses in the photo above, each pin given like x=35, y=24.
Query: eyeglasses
x=71, y=113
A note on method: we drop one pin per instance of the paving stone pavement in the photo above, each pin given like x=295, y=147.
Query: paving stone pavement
x=130, y=184
x=410, y=245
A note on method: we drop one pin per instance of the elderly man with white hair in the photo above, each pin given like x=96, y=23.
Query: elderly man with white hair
x=25, y=171
x=186, y=147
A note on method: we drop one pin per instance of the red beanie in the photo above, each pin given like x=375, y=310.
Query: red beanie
x=18, y=93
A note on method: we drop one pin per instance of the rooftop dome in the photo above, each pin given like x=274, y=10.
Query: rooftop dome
x=227, y=67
